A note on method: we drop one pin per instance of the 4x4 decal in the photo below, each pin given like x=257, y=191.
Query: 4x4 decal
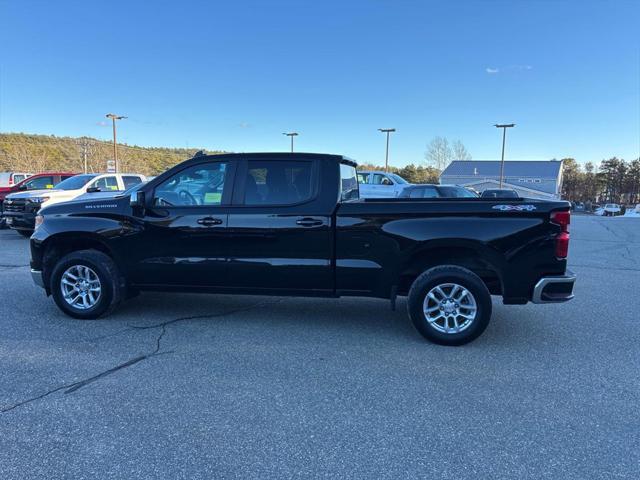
x=514, y=208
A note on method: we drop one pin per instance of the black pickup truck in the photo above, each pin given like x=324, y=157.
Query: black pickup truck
x=293, y=224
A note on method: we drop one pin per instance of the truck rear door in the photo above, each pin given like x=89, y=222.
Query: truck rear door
x=281, y=234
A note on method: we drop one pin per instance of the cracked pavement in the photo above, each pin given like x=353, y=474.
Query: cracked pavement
x=217, y=386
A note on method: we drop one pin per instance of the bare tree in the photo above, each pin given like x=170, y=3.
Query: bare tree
x=439, y=153
x=460, y=151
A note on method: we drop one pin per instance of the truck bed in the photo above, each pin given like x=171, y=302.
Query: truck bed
x=510, y=243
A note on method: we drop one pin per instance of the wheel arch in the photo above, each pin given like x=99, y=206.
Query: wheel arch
x=478, y=258
x=60, y=244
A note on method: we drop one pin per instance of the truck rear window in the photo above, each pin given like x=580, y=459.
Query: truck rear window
x=275, y=182
x=348, y=183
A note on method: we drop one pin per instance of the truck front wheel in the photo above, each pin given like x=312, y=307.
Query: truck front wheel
x=449, y=305
x=84, y=284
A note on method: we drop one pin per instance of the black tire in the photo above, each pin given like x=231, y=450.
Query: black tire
x=107, y=272
x=25, y=233
x=449, y=274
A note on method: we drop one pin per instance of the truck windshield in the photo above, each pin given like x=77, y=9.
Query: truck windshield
x=398, y=179
x=74, y=183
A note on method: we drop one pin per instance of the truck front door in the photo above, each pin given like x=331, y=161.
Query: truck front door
x=382, y=186
x=184, y=239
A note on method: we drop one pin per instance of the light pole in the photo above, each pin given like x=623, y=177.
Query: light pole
x=291, y=135
x=504, y=127
x=386, y=157
x=113, y=118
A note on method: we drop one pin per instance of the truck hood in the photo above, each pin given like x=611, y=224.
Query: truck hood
x=33, y=193
x=88, y=204
x=98, y=195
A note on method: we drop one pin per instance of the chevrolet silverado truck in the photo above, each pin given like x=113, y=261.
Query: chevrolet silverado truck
x=293, y=224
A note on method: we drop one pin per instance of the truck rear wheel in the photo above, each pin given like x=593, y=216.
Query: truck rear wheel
x=449, y=305
x=85, y=285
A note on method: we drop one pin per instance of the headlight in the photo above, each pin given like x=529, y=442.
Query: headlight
x=39, y=199
x=39, y=220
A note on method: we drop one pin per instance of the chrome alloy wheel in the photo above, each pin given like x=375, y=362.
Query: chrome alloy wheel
x=449, y=308
x=80, y=287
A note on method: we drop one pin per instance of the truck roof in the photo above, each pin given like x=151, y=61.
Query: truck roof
x=276, y=156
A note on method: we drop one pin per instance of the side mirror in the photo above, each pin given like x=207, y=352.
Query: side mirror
x=22, y=187
x=137, y=199
x=93, y=189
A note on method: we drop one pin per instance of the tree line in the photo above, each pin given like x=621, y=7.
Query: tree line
x=614, y=181
x=39, y=153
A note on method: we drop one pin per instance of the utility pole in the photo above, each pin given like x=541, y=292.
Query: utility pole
x=113, y=118
x=291, y=135
x=386, y=157
x=504, y=127
x=84, y=144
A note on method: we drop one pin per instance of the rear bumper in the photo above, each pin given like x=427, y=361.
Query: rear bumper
x=555, y=289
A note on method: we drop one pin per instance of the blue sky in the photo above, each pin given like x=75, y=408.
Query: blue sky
x=234, y=75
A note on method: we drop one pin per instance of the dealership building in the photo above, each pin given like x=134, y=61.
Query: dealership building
x=533, y=179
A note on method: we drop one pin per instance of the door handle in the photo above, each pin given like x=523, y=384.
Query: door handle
x=209, y=221
x=309, y=222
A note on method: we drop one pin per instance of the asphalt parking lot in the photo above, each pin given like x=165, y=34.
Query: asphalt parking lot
x=212, y=386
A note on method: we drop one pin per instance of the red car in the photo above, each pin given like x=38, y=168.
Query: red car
x=39, y=181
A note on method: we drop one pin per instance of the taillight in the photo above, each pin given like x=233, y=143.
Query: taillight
x=562, y=240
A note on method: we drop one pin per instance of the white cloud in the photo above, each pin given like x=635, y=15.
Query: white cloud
x=508, y=68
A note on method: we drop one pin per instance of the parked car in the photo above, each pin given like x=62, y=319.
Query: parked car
x=9, y=179
x=499, y=193
x=20, y=208
x=611, y=210
x=436, y=191
x=577, y=206
x=380, y=184
x=283, y=224
x=35, y=182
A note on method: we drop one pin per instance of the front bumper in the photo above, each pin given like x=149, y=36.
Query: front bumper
x=36, y=275
x=555, y=289
x=20, y=221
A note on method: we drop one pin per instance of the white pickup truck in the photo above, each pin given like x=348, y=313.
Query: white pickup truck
x=380, y=184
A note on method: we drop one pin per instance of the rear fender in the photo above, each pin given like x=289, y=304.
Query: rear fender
x=486, y=262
